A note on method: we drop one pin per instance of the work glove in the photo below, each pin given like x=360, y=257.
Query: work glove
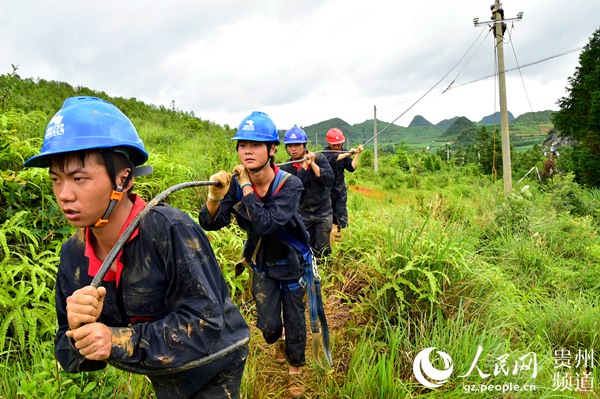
x=243, y=176
x=357, y=150
x=308, y=158
x=216, y=192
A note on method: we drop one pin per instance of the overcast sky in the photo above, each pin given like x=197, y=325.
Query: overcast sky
x=301, y=62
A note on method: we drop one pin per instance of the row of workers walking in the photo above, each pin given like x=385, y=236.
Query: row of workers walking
x=323, y=204
x=288, y=215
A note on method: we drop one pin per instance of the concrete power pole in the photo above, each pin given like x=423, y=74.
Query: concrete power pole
x=375, y=157
x=499, y=26
x=506, y=164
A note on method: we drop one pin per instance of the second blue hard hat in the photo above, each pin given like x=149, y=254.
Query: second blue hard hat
x=295, y=136
x=257, y=127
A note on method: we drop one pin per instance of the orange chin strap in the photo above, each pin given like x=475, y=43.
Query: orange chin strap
x=115, y=197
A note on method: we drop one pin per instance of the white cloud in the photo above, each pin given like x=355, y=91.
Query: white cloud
x=301, y=62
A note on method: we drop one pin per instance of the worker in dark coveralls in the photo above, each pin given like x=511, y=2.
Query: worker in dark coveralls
x=164, y=303
x=264, y=200
x=317, y=177
x=340, y=162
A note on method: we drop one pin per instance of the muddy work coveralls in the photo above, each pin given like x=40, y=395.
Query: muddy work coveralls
x=167, y=304
x=339, y=191
x=315, y=202
x=276, y=264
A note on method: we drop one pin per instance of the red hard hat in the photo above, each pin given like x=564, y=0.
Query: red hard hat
x=335, y=136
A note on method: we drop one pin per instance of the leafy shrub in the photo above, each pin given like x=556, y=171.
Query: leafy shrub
x=513, y=215
x=568, y=196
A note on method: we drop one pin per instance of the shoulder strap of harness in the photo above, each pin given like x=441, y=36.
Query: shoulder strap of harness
x=280, y=177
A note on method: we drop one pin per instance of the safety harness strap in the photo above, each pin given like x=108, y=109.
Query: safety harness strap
x=312, y=282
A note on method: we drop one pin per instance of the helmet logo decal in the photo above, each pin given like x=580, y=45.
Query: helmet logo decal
x=249, y=126
x=55, y=127
x=293, y=136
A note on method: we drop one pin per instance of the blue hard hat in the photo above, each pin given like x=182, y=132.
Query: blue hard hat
x=295, y=136
x=257, y=127
x=88, y=123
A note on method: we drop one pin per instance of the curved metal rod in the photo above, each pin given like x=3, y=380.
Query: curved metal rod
x=190, y=365
x=335, y=151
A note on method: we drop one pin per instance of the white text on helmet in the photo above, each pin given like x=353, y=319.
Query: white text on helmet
x=55, y=127
x=249, y=126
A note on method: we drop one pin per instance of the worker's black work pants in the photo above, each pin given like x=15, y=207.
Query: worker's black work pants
x=274, y=298
x=225, y=385
x=219, y=379
x=319, y=231
x=340, y=212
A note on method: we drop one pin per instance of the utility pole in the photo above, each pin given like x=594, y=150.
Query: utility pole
x=375, y=158
x=499, y=26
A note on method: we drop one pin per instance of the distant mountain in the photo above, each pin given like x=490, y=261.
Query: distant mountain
x=323, y=127
x=419, y=121
x=355, y=134
x=495, y=118
x=462, y=130
x=446, y=123
x=316, y=133
x=527, y=129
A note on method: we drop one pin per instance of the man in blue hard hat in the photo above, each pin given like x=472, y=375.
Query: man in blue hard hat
x=164, y=303
x=316, y=175
x=264, y=201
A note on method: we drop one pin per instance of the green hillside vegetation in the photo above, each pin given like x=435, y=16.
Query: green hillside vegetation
x=461, y=127
x=531, y=128
x=435, y=256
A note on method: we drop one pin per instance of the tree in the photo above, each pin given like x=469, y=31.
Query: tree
x=489, y=151
x=8, y=84
x=579, y=114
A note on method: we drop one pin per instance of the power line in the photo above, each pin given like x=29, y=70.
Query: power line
x=523, y=82
x=467, y=63
x=450, y=86
x=524, y=65
x=427, y=92
x=470, y=82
